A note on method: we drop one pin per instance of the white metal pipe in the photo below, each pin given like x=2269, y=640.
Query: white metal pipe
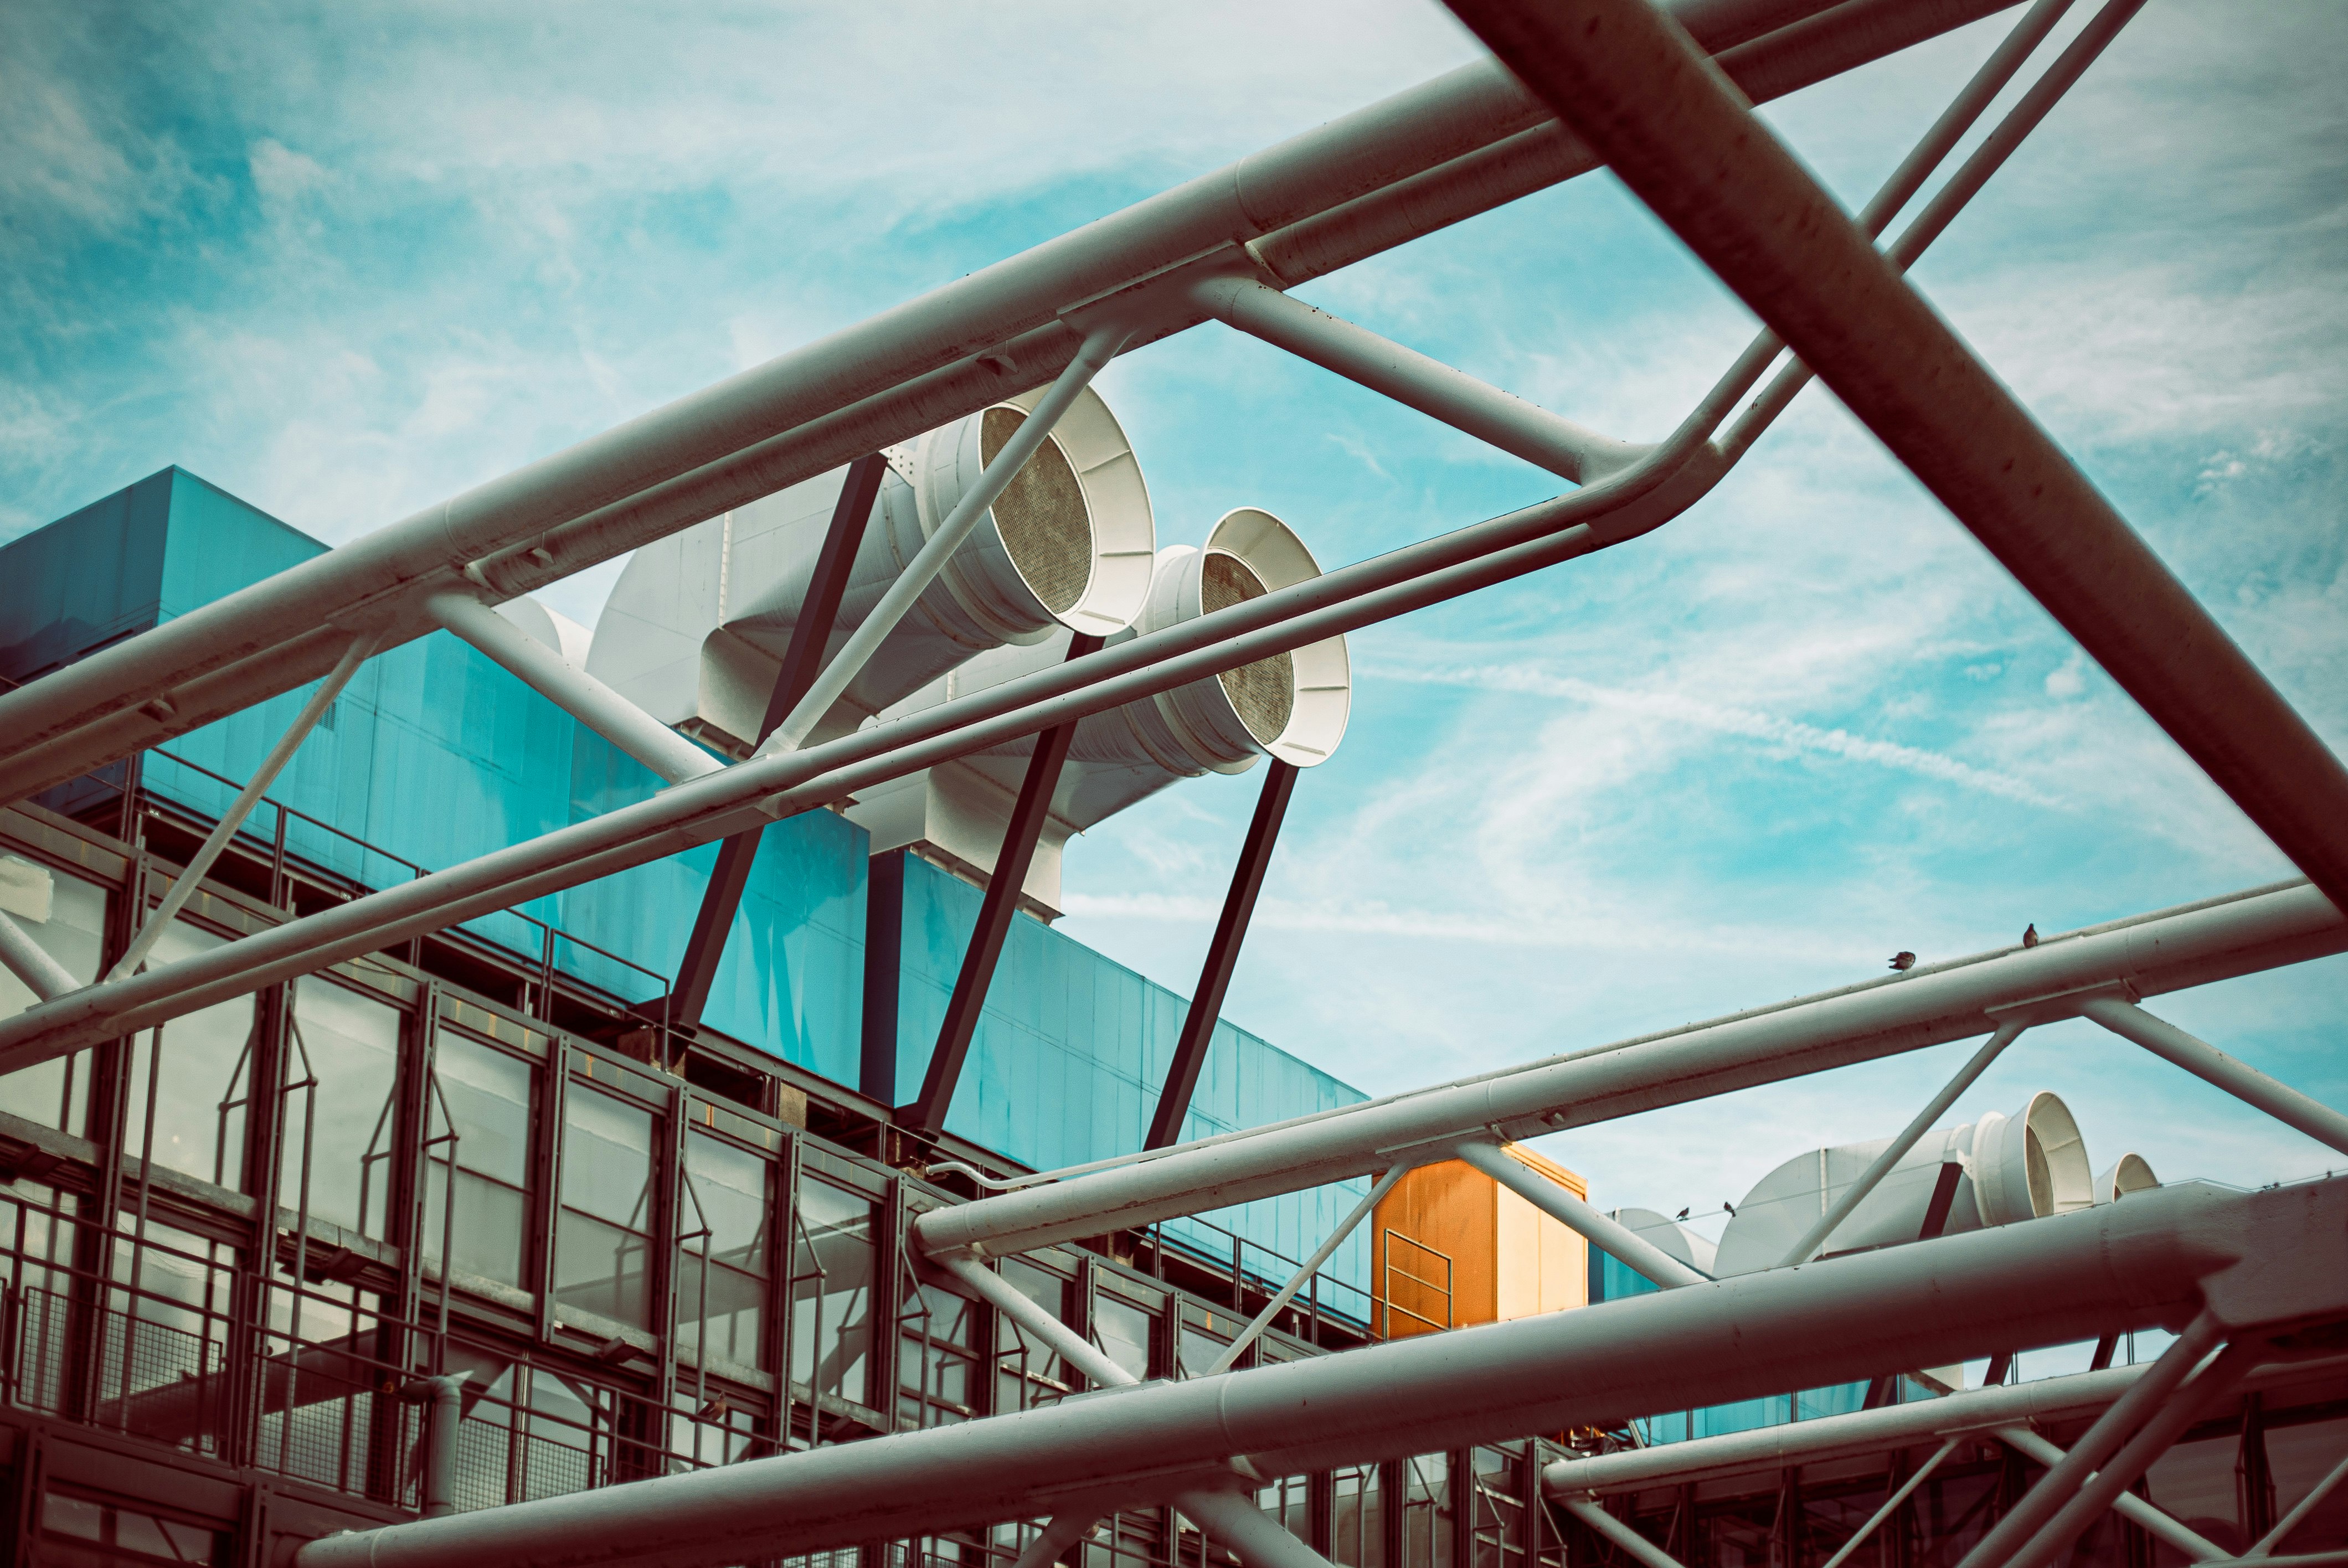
x=183, y=886
x=1523, y=429
x=1100, y=346
x=1073, y=1347
x=30, y=962
x=1621, y=1534
x=2078, y=1395
x=1978, y=1064
x=2206, y=1061
x=1641, y=497
x=1862, y=1022
x=1891, y=1504
x=934, y=359
x=1607, y=1234
x=2298, y=1511
x=2266, y=1257
x=2147, y=1399
x=1064, y=1532
x=1306, y=1271
x=1259, y=1543
x=2133, y=1507
x=572, y=690
x=2214, y=1382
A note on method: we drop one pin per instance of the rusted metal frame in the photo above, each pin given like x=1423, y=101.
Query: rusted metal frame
x=802, y=660
x=1222, y=956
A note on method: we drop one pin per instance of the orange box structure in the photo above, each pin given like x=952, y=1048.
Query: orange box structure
x=1451, y=1247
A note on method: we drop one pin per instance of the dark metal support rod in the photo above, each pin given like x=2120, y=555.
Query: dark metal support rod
x=1222, y=956
x=1625, y=78
x=927, y=1114
x=802, y=661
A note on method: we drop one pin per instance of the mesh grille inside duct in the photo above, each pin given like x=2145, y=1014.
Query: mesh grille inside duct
x=1041, y=516
x=1263, y=693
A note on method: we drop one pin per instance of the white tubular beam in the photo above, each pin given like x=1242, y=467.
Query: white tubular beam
x=2147, y=1401
x=1259, y=1543
x=1999, y=1037
x=1620, y=1533
x=2271, y=1257
x=2298, y=1511
x=1891, y=1504
x=2079, y=1396
x=572, y=690
x=1099, y=348
x=1386, y=174
x=183, y=887
x=1306, y=1270
x=1606, y=1235
x=1866, y=1021
x=1259, y=1539
x=1064, y=1532
x=1006, y=1298
x=30, y=962
x=1522, y=429
x=2206, y=1061
x=2128, y=1504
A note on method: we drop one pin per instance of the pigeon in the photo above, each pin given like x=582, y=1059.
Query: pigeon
x=1681, y=1215
x=1731, y=1208
x=1904, y=960
x=2029, y=935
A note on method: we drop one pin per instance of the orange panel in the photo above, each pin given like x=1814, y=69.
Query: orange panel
x=1450, y=1248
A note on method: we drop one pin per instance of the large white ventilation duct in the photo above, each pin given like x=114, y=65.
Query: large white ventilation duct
x=1293, y=706
x=2128, y=1173
x=695, y=631
x=2023, y=1166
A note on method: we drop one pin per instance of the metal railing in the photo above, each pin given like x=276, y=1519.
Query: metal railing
x=1389, y=1270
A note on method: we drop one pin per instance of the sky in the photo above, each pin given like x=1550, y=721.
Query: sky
x=347, y=262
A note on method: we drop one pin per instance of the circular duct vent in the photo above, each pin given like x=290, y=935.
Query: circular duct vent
x=1263, y=693
x=1041, y=516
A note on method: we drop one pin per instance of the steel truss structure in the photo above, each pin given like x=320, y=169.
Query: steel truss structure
x=2246, y=1281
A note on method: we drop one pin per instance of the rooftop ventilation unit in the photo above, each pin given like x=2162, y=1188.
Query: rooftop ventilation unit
x=1293, y=706
x=696, y=629
x=2023, y=1166
x=2130, y=1174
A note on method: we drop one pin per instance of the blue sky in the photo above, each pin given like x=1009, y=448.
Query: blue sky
x=344, y=262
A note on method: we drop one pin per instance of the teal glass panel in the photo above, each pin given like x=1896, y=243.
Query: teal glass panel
x=432, y=756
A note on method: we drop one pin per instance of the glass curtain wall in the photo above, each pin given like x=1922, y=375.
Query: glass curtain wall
x=603, y=1242
x=190, y=1080
x=723, y=1256
x=66, y=918
x=1028, y=1371
x=342, y=1074
x=478, y=1118
x=831, y=1291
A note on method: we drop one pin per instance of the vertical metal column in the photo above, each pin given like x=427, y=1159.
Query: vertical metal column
x=884, y=955
x=1222, y=956
x=802, y=661
x=927, y=1113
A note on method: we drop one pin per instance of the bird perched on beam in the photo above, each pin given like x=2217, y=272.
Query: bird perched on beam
x=1904, y=960
x=2029, y=935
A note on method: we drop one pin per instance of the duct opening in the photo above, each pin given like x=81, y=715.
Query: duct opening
x=1263, y=694
x=1041, y=516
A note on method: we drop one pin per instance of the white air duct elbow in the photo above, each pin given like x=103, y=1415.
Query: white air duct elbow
x=2024, y=1166
x=696, y=629
x=1293, y=706
x=2130, y=1174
